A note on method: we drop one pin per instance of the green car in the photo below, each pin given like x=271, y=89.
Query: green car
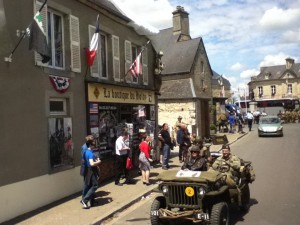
x=270, y=126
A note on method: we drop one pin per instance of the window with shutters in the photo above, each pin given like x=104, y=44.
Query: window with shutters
x=75, y=44
x=145, y=66
x=134, y=50
x=128, y=61
x=290, y=89
x=116, y=58
x=260, y=91
x=99, y=67
x=55, y=38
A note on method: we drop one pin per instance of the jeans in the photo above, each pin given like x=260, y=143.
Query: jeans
x=121, y=168
x=89, y=190
x=166, y=155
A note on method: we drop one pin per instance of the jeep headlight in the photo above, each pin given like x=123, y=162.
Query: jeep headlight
x=165, y=189
x=201, y=192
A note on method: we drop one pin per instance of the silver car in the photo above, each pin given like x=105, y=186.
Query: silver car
x=270, y=126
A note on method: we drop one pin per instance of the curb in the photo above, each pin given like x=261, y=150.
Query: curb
x=100, y=221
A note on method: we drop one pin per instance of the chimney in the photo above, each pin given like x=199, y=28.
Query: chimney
x=289, y=63
x=181, y=23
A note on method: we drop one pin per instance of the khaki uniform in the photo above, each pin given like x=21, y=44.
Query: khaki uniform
x=234, y=165
x=197, y=164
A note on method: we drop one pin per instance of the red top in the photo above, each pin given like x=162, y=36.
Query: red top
x=144, y=147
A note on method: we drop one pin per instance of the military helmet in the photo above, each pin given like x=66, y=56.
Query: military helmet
x=195, y=148
x=198, y=140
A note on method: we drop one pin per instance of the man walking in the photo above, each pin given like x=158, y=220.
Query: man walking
x=121, y=157
x=250, y=120
x=165, y=137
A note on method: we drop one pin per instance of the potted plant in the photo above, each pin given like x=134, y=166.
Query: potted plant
x=213, y=128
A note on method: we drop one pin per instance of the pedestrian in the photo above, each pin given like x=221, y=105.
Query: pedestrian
x=231, y=120
x=122, y=151
x=84, y=147
x=91, y=175
x=166, y=143
x=250, y=120
x=145, y=159
x=222, y=120
x=180, y=140
x=240, y=123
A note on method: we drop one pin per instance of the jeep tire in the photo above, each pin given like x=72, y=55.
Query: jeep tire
x=159, y=202
x=219, y=214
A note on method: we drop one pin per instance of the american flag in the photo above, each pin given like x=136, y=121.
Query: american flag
x=136, y=67
x=93, y=108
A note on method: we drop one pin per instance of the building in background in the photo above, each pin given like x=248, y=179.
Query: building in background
x=186, y=88
x=276, y=87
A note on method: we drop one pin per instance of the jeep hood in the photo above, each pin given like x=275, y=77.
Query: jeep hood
x=190, y=176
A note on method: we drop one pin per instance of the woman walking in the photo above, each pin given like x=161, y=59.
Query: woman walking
x=145, y=160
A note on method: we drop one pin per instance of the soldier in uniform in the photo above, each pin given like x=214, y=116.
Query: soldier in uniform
x=228, y=164
x=196, y=162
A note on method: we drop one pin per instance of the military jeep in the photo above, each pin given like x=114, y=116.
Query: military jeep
x=200, y=197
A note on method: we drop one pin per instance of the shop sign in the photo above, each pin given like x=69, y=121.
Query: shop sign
x=115, y=94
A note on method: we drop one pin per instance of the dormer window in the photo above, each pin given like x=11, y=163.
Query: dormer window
x=290, y=89
x=267, y=76
x=260, y=91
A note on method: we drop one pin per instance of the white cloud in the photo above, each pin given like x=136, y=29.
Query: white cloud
x=249, y=73
x=279, y=18
x=273, y=60
x=154, y=15
x=291, y=36
x=237, y=67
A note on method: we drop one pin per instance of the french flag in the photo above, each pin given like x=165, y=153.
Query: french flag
x=92, y=50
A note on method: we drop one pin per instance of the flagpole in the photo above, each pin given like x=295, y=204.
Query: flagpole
x=9, y=59
x=143, y=48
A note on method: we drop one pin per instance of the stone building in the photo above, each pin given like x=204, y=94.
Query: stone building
x=276, y=86
x=186, y=88
x=47, y=109
x=221, y=91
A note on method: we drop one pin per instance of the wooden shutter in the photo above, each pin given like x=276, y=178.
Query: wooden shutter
x=145, y=66
x=116, y=58
x=128, y=60
x=43, y=13
x=75, y=44
x=95, y=67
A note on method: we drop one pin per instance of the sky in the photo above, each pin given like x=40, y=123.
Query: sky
x=239, y=36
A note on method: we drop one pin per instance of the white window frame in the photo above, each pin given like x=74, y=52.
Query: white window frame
x=273, y=90
x=290, y=89
x=100, y=57
x=260, y=90
x=52, y=44
x=136, y=49
x=58, y=113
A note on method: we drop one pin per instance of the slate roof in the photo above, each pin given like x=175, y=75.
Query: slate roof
x=178, y=56
x=108, y=5
x=215, y=78
x=277, y=71
x=179, y=89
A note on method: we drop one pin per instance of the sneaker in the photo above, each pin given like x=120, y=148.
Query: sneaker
x=118, y=184
x=164, y=168
x=85, y=206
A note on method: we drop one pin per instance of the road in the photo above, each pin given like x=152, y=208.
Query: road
x=275, y=195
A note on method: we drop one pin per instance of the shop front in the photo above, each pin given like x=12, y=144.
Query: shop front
x=111, y=109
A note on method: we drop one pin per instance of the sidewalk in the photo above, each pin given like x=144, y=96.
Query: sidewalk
x=111, y=198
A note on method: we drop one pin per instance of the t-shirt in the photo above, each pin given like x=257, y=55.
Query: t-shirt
x=88, y=155
x=120, y=144
x=166, y=136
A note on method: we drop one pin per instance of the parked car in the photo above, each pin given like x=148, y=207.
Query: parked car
x=270, y=126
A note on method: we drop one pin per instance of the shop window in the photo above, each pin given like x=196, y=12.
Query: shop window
x=60, y=135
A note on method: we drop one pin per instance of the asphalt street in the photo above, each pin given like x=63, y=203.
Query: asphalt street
x=275, y=196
